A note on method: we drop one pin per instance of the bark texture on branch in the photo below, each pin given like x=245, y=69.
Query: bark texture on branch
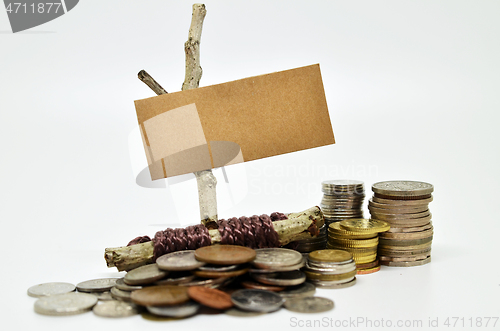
x=151, y=82
x=207, y=193
x=298, y=226
x=192, y=48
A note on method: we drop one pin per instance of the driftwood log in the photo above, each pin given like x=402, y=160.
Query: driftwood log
x=298, y=226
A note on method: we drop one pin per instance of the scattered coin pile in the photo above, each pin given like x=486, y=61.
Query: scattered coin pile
x=342, y=199
x=360, y=238
x=405, y=206
x=331, y=268
x=179, y=284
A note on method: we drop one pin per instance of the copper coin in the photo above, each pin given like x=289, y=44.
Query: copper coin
x=225, y=254
x=403, y=202
x=260, y=286
x=410, y=258
x=394, y=229
x=164, y=295
x=407, y=235
x=367, y=265
x=210, y=297
x=219, y=274
x=406, y=264
x=367, y=271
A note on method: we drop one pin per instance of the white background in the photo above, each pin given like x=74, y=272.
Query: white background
x=413, y=93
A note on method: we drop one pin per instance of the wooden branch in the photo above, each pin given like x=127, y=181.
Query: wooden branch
x=207, y=194
x=206, y=181
x=149, y=81
x=298, y=226
x=192, y=48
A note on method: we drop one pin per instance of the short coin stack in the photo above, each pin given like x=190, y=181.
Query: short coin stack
x=360, y=238
x=342, y=199
x=404, y=205
x=275, y=269
x=331, y=268
x=313, y=243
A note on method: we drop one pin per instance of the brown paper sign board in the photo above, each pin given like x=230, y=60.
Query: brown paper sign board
x=234, y=122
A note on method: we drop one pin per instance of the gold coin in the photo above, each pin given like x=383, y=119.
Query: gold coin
x=365, y=225
x=367, y=259
x=365, y=243
x=336, y=229
x=330, y=255
x=320, y=276
x=352, y=249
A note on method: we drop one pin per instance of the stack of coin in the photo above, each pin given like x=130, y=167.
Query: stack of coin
x=275, y=269
x=313, y=243
x=404, y=205
x=360, y=238
x=331, y=268
x=342, y=199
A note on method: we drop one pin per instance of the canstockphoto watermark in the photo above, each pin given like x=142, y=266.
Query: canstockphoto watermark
x=26, y=14
x=354, y=322
x=367, y=322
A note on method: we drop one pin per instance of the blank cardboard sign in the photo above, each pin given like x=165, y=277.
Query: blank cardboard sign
x=234, y=122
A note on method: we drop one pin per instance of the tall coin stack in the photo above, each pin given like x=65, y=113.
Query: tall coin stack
x=342, y=199
x=331, y=268
x=360, y=238
x=405, y=206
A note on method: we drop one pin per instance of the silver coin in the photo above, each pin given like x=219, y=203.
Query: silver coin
x=120, y=294
x=342, y=182
x=297, y=266
x=65, y=304
x=120, y=284
x=309, y=304
x=178, y=311
x=146, y=274
x=241, y=313
x=271, y=258
x=96, y=285
x=333, y=284
x=333, y=269
x=303, y=290
x=257, y=300
x=179, y=261
x=402, y=188
x=102, y=296
x=115, y=309
x=286, y=278
x=46, y=289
